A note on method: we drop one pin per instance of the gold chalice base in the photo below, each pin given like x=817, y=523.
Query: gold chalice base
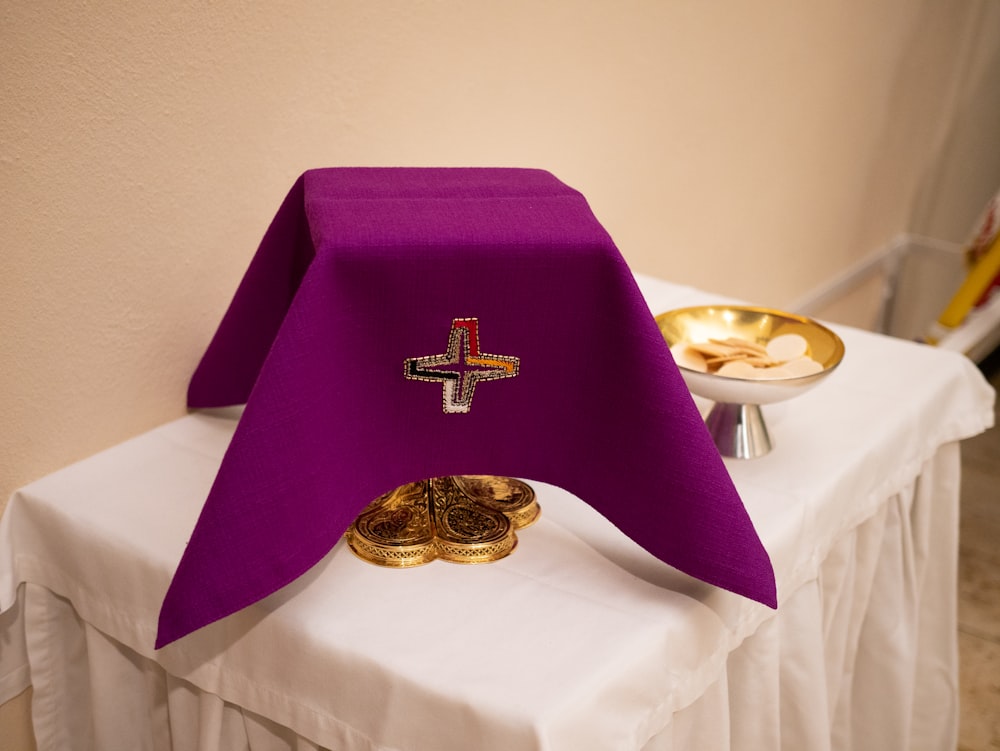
x=462, y=519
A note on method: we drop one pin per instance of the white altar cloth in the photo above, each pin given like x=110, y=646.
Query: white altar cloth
x=579, y=640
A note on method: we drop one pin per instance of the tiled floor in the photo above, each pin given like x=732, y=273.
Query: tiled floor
x=979, y=586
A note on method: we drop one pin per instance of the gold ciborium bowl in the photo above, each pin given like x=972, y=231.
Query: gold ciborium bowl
x=736, y=422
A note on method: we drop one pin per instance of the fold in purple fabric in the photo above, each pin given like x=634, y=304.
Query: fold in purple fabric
x=398, y=324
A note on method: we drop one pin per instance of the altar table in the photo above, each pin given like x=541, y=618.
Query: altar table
x=579, y=640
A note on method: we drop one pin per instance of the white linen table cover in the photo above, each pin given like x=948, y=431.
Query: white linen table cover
x=579, y=640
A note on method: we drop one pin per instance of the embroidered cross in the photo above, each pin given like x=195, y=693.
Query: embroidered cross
x=461, y=367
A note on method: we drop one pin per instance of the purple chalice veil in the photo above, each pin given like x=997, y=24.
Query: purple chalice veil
x=398, y=324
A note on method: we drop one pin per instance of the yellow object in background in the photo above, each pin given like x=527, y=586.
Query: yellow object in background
x=980, y=277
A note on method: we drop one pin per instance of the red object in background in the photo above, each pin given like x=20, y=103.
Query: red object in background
x=985, y=235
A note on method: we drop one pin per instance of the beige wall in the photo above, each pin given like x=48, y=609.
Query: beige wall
x=757, y=149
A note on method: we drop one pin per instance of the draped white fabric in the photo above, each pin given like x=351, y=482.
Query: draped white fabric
x=579, y=640
x=841, y=667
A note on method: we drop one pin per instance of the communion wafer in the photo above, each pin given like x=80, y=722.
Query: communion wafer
x=713, y=348
x=738, y=369
x=783, y=357
x=787, y=347
x=743, y=345
x=802, y=366
x=688, y=357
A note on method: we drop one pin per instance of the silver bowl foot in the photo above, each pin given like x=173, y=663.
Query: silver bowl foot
x=738, y=430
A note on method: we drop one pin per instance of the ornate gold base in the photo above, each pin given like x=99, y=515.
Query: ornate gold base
x=463, y=519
